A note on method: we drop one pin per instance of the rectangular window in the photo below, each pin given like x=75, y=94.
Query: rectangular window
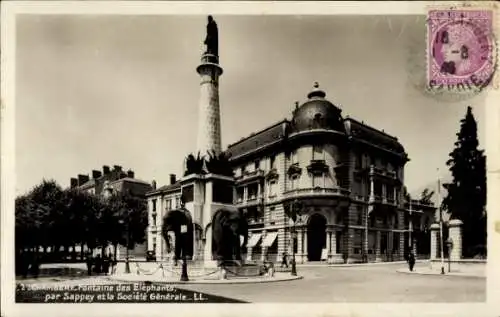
x=318, y=181
x=272, y=188
x=257, y=164
x=318, y=152
x=295, y=157
x=153, y=220
x=272, y=162
x=360, y=215
x=154, y=204
x=358, y=164
x=272, y=213
x=294, y=180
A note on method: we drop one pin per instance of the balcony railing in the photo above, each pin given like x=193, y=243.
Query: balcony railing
x=250, y=201
x=317, y=191
x=294, y=169
x=317, y=167
x=249, y=176
x=256, y=221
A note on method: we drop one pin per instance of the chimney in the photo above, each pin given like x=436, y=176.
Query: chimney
x=96, y=174
x=73, y=182
x=82, y=179
x=105, y=170
x=130, y=174
x=172, y=179
x=117, y=168
x=153, y=184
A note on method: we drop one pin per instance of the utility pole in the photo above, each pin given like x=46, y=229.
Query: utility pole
x=410, y=224
x=440, y=224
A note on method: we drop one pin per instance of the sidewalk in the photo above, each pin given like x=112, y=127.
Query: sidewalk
x=467, y=271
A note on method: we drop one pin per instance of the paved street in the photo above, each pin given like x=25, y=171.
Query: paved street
x=378, y=283
x=374, y=283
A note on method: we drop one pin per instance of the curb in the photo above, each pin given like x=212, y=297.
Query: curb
x=371, y=264
x=454, y=274
x=213, y=282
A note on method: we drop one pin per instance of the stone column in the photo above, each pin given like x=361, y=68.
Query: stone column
x=299, y=246
x=209, y=127
x=281, y=243
x=434, y=240
x=328, y=246
x=378, y=257
x=455, y=234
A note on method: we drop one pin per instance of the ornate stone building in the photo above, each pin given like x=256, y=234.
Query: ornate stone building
x=347, y=178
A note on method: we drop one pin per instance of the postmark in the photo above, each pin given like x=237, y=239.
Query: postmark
x=461, y=50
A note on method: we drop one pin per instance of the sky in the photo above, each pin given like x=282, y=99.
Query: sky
x=123, y=90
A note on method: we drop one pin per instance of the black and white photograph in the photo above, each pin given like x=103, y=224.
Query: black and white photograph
x=262, y=155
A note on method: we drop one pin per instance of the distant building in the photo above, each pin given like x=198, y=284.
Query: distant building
x=104, y=183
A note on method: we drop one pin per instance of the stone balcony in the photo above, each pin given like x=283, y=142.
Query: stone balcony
x=246, y=177
x=253, y=200
x=316, y=192
x=317, y=167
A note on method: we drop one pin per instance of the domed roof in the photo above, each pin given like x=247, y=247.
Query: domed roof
x=317, y=113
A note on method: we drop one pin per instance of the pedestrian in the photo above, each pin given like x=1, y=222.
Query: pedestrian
x=411, y=260
x=284, y=261
x=105, y=264
x=89, y=263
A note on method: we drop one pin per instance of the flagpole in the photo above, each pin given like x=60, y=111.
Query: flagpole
x=440, y=224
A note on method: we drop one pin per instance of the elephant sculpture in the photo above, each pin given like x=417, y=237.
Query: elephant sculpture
x=227, y=227
x=175, y=221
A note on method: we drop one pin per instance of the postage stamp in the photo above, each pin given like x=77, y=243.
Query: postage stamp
x=461, y=49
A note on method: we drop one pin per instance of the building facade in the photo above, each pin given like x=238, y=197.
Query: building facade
x=347, y=178
x=111, y=180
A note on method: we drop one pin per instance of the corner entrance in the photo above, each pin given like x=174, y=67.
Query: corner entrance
x=316, y=237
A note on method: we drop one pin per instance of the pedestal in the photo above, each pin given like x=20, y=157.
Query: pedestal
x=434, y=240
x=455, y=227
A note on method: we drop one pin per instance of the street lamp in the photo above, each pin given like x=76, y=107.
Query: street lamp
x=127, y=263
x=184, y=232
x=294, y=210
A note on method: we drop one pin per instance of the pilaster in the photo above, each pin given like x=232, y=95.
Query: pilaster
x=455, y=226
x=434, y=240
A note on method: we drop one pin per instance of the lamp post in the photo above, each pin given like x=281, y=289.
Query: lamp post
x=294, y=210
x=184, y=274
x=127, y=263
x=440, y=225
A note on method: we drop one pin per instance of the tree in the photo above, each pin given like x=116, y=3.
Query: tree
x=466, y=197
x=426, y=197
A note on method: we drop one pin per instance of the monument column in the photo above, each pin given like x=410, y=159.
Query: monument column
x=209, y=127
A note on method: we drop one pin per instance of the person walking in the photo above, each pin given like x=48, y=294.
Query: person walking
x=284, y=260
x=89, y=261
x=411, y=260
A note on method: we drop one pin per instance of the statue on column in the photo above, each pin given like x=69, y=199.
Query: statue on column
x=212, y=39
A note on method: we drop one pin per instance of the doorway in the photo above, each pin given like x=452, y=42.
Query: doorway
x=316, y=237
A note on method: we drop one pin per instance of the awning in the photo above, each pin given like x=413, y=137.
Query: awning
x=254, y=239
x=269, y=239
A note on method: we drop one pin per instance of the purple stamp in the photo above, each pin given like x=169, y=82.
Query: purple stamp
x=461, y=48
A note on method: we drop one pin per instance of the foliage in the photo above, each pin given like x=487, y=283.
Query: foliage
x=426, y=197
x=194, y=165
x=215, y=164
x=219, y=164
x=466, y=197
x=49, y=216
